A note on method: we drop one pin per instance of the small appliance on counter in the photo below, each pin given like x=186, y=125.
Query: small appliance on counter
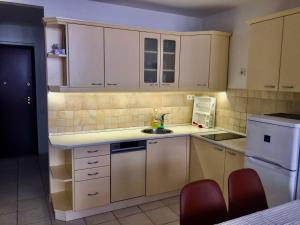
x=204, y=112
x=272, y=149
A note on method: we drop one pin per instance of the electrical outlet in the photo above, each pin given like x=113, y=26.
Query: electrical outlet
x=190, y=97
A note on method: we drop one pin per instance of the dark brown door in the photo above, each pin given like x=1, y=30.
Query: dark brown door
x=17, y=101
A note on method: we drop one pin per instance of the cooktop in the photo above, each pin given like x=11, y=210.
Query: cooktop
x=223, y=136
x=286, y=115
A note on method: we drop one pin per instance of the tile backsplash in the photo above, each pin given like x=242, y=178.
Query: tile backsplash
x=70, y=112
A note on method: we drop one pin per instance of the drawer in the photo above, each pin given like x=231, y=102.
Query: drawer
x=86, y=163
x=93, y=173
x=91, y=151
x=92, y=193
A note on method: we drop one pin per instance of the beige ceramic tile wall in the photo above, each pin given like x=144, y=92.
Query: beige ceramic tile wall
x=93, y=111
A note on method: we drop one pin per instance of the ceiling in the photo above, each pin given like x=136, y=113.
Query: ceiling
x=196, y=8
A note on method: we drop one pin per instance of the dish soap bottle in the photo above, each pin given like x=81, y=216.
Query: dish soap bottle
x=155, y=119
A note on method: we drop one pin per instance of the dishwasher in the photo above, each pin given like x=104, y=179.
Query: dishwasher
x=128, y=170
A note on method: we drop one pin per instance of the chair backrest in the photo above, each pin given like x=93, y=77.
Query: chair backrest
x=246, y=194
x=202, y=203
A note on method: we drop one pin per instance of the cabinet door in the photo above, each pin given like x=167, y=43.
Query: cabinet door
x=86, y=56
x=233, y=161
x=194, y=61
x=170, y=49
x=290, y=64
x=149, y=60
x=206, y=161
x=264, y=54
x=166, y=165
x=121, y=59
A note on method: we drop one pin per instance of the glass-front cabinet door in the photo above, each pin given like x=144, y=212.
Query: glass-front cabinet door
x=170, y=48
x=150, y=60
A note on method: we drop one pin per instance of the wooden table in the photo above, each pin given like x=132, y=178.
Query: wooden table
x=288, y=214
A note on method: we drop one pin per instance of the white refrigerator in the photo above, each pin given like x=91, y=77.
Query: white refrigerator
x=273, y=151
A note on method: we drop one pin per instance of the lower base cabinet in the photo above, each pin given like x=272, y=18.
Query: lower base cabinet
x=92, y=193
x=210, y=161
x=166, y=165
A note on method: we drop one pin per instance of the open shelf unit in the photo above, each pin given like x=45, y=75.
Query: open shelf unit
x=57, y=65
x=61, y=179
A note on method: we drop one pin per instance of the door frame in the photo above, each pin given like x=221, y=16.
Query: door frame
x=36, y=116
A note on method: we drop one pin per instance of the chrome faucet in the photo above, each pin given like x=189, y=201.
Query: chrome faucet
x=162, y=120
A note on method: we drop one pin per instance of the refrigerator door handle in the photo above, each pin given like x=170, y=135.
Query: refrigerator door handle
x=268, y=161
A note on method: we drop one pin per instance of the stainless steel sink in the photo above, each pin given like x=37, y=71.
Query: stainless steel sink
x=157, y=131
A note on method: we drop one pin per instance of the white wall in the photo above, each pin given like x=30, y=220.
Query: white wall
x=234, y=21
x=113, y=14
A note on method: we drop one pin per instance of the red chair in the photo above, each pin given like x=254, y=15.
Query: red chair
x=202, y=203
x=246, y=194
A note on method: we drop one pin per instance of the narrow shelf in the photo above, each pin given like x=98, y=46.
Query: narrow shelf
x=61, y=202
x=49, y=55
x=60, y=173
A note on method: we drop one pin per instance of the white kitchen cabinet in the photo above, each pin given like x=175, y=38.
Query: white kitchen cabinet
x=206, y=161
x=166, y=165
x=290, y=66
x=170, y=50
x=149, y=60
x=122, y=57
x=264, y=54
x=194, y=61
x=86, y=56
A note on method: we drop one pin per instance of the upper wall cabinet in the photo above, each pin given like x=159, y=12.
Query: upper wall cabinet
x=264, y=54
x=204, y=62
x=86, y=56
x=290, y=66
x=105, y=57
x=274, y=52
x=121, y=59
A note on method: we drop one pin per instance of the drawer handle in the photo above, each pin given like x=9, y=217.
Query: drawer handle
x=96, y=83
x=93, y=174
x=219, y=149
x=96, y=193
x=231, y=153
x=153, y=142
x=269, y=86
x=201, y=85
x=290, y=87
x=92, y=151
x=90, y=163
x=112, y=84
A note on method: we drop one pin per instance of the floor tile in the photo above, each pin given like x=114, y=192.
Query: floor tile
x=76, y=222
x=170, y=201
x=33, y=216
x=28, y=204
x=100, y=218
x=114, y=222
x=162, y=216
x=151, y=205
x=8, y=219
x=175, y=208
x=137, y=219
x=126, y=212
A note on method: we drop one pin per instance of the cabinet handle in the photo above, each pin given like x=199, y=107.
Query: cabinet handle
x=93, y=174
x=231, y=153
x=153, y=142
x=290, y=87
x=90, y=151
x=269, y=86
x=202, y=85
x=90, y=163
x=96, y=83
x=93, y=194
x=112, y=84
x=219, y=149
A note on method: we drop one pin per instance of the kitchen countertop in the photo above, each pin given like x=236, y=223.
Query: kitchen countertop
x=83, y=139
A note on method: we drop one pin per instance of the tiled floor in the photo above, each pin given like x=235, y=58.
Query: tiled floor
x=24, y=200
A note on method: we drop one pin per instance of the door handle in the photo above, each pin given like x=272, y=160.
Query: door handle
x=96, y=83
x=93, y=174
x=90, y=163
x=288, y=86
x=90, y=151
x=231, y=153
x=269, y=86
x=93, y=194
x=112, y=84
